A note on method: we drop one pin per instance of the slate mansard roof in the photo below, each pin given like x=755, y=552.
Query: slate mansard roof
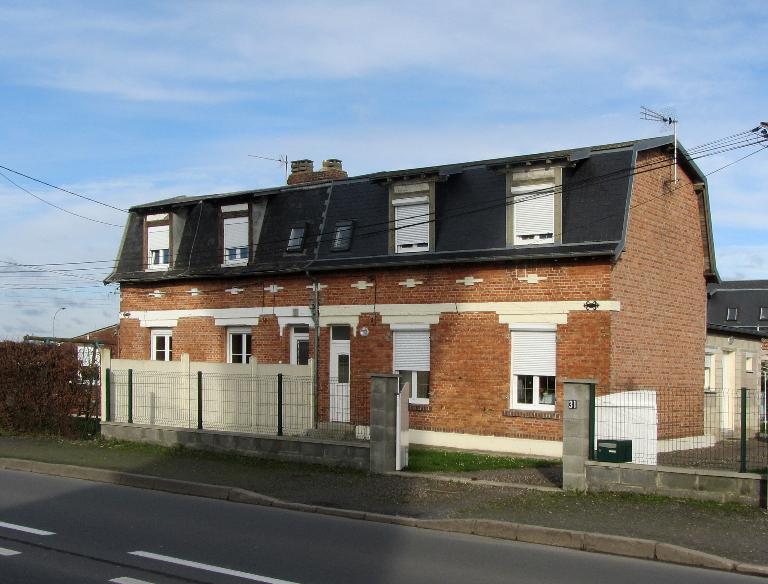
x=748, y=297
x=470, y=217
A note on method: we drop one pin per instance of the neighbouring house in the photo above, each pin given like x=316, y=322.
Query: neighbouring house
x=737, y=351
x=482, y=284
x=88, y=343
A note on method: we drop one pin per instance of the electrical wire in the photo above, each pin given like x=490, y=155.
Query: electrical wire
x=63, y=189
x=31, y=194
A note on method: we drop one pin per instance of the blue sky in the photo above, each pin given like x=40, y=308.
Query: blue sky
x=132, y=102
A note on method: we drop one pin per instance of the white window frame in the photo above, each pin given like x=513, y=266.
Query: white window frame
x=423, y=219
x=295, y=338
x=399, y=328
x=709, y=367
x=168, y=351
x=240, y=259
x=159, y=266
x=536, y=405
x=519, y=192
x=235, y=331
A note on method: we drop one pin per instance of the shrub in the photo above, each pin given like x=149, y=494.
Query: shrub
x=39, y=387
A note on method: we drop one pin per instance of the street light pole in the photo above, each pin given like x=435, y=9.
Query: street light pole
x=53, y=325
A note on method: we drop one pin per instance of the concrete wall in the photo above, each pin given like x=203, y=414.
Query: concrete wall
x=721, y=486
x=276, y=447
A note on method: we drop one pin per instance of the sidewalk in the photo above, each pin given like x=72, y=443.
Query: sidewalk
x=736, y=532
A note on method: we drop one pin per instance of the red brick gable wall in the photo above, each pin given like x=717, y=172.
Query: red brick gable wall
x=658, y=336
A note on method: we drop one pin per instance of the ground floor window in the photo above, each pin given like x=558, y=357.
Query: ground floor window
x=533, y=369
x=411, y=362
x=161, y=345
x=239, y=345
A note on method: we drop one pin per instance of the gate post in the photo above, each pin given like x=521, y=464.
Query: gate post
x=130, y=396
x=383, y=423
x=743, y=434
x=578, y=431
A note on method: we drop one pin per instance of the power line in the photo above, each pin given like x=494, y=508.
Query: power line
x=31, y=194
x=63, y=189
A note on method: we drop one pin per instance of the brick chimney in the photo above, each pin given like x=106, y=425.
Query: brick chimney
x=302, y=171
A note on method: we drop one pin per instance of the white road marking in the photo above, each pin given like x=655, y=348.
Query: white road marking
x=25, y=529
x=7, y=552
x=128, y=580
x=210, y=568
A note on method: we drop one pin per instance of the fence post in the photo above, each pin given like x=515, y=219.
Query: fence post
x=107, y=399
x=743, y=457
x=130, y=396
x=199, y=400
x=279, y=404
x=592, y=416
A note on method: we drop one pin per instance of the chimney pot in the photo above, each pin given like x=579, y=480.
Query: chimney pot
x=303, y=165
x=332, y=163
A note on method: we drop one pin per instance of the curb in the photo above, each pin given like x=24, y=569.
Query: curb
x=576, y=540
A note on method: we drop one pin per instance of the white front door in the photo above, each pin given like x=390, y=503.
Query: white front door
x=339, y=374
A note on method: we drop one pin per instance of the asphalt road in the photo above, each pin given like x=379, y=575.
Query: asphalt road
x=66, y=530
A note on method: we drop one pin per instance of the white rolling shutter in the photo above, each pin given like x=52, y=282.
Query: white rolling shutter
x=411, y=227
x=235, y=234
x=535, y=211
x=411, y=350
x=533, y=353
x=158, y=238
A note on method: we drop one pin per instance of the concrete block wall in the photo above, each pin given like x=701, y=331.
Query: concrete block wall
x=275, y=447
x=707, y=485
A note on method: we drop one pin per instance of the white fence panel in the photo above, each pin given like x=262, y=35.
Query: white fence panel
x=629, y=415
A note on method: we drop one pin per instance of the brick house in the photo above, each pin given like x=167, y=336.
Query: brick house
x=483, y=284
x=737, y=342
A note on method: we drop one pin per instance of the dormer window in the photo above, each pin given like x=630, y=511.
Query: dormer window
x=296, y=238
x=236, y=229
x=534, y=214
x=342, y=236
x=412, y=222
x=732, y=314
x=158, y=241
x=534, y=204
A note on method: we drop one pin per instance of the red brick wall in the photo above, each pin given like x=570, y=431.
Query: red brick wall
x=470, y=352
x=658, y=336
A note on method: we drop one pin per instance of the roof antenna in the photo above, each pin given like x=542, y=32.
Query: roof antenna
x=282, y=160
x=664, y=120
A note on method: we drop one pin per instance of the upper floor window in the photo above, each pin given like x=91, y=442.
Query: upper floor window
x=534, y=213
x=162, y=345
x=764, y=313
x=412, y=222
x=732, y=314
x=235, y=227
x=342, y=236
x=296, y=238
x=158, y=242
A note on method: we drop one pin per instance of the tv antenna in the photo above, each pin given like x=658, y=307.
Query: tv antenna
x=282, y=160
x=665, y=120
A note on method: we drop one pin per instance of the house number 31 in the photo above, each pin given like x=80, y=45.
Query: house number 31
x=572, y=403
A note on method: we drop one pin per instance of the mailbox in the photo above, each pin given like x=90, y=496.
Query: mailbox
x=614, y=451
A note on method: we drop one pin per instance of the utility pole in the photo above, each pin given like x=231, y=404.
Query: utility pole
x=315, y=309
